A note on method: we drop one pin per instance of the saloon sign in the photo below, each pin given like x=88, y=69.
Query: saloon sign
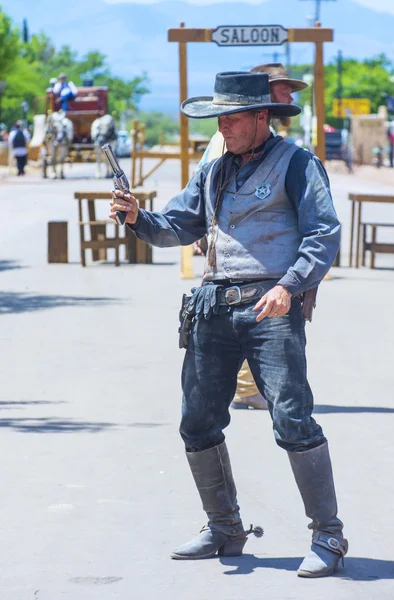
x=249, y=35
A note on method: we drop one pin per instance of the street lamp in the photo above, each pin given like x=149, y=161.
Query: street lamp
x=3, y=85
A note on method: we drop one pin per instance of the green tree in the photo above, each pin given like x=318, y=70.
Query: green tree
x=38, y=51
x=203, y=126
x=123, y=95
x=159, y=127
x=370, y=78
x=9, y=44
x=27, y=68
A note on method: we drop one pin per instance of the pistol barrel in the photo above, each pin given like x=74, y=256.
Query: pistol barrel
x=109, y=153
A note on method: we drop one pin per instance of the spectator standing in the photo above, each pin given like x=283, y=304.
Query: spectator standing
x=17, y=140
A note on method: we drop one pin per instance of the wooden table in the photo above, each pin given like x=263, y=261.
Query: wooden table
x=355, y=223
x=136, y=250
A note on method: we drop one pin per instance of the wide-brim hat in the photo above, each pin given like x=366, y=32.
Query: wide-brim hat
x=277, y=72
x=237, y=91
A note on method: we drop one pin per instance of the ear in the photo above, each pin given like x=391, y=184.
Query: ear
x=262, y=115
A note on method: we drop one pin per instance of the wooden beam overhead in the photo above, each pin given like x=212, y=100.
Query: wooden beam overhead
x=184, y=34
x=311, y=34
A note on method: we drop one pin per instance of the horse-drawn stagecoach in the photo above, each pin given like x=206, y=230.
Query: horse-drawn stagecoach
x=78, y=135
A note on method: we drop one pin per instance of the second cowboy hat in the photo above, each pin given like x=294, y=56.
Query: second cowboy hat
x=277, y=72
x=237, y=91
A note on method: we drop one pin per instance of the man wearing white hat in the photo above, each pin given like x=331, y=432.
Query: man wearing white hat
x=272, y=234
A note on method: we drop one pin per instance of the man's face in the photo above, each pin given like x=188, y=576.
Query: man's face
x=281, y=92
x=239, y=131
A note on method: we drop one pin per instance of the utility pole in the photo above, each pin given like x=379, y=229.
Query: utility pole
x=339, y=84
x=318, y=8
x=288, y=59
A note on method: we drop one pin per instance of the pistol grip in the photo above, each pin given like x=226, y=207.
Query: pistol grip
x=120, y=217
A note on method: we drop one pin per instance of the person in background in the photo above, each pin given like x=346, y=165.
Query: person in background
x=390, y=139
x=3, y=132
x=52, y=83
x=17, y=141
x=66, y=91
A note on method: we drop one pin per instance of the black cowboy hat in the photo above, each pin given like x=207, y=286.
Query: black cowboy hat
x=237, y=91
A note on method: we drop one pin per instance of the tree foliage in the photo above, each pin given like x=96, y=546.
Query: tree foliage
x=28, y=67
x=371, y=78
x=9, y=45
x=158, y=127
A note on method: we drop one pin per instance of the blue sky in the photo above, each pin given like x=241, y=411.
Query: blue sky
x=133, y=35
x=380, y=5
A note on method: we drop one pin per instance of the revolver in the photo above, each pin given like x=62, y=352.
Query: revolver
x=120, y=180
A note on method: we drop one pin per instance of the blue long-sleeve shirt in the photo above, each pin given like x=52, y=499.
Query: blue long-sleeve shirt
x=182, y=221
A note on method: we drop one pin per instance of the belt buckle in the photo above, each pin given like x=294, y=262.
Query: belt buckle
x=230, y=292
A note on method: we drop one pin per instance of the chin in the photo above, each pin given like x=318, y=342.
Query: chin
x=231, y=147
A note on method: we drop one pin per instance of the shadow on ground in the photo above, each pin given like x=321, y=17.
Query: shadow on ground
x=18, y=302
x=53, y=425
x=4, y=405
x=356, y=569
x=328, y=408
x=9, y=265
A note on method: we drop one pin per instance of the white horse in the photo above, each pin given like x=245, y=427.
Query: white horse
x=59, y=132
x=103, y=131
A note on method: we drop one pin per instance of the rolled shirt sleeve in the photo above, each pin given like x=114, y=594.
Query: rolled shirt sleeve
x=308, y=189
x=181, y=222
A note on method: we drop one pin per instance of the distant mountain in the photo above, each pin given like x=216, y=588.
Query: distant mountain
x=134, y=36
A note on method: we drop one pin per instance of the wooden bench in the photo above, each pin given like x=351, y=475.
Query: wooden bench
x=99, y=242
x=358, y=200
x=373, y=246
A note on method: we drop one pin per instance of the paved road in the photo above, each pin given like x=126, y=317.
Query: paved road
x=95, y=488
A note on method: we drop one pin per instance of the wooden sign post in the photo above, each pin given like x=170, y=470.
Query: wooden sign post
x=247, y=35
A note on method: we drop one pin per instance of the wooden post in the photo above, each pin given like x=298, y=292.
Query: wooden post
x=142, y=144
x=57, y=242
x=319, y=100
x=352, y=234
x=134, y=135
x=186, y=251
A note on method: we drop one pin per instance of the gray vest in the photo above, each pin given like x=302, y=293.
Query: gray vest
x=256, y=235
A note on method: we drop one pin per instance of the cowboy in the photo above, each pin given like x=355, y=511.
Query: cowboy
x=66, y=91
x=281, y=88
x=272, y=233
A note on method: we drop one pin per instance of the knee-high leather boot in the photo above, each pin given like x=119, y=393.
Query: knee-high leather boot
x=224, y=534
x=313, y=474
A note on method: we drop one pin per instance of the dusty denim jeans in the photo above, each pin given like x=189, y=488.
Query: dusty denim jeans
x=275, y=350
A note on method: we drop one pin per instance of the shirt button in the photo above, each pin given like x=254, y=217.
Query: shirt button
x=232, y=226
x=227, y=256
x=227, y=270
